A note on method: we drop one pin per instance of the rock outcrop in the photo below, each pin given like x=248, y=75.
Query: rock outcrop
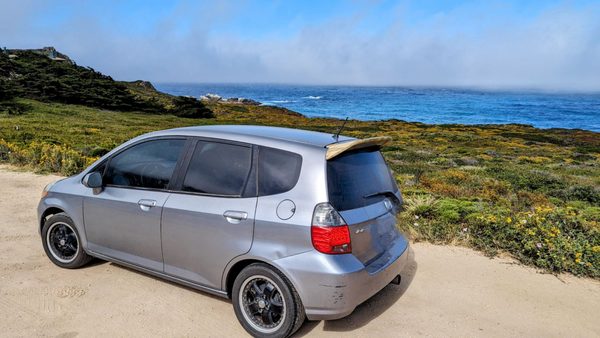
x=214, y=98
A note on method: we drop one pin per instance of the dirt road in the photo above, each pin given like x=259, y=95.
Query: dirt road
x=450, y=291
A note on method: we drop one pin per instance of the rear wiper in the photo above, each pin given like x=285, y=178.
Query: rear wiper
x=388, y=193
x=384, y=193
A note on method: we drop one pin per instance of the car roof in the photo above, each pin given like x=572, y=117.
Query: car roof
x=250, y=133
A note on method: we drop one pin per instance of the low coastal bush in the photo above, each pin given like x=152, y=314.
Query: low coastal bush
x=35, y=76
x=557, y=239
x=44, y=157
x=531, y=193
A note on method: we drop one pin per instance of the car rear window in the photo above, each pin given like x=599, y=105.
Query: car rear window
x=278, y=170
x=218, y=169
x=357, y=179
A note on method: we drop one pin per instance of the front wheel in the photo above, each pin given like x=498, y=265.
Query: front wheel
x=62, y=243
x=265, y=302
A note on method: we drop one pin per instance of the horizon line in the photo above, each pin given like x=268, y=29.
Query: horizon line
x=491, y=89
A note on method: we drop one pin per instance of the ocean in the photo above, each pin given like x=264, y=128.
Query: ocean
x=428, y=105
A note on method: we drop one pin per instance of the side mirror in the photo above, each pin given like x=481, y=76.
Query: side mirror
x=93, y=180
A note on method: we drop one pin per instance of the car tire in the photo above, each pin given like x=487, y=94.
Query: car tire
x=266, y=303
x=62, y=242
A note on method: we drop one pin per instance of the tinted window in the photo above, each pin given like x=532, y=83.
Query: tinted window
x=353, y=176
x=218, y=168
x=278, y=171
x=146, y=165
x=100, y=168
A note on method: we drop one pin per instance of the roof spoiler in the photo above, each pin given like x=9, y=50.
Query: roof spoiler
x=336, y=149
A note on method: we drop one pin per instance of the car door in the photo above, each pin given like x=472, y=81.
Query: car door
x=122, y=221
x=211, y=220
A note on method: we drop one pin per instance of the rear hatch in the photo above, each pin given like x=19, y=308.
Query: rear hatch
x=362, y=189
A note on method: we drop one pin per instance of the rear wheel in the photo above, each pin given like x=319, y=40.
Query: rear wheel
x=265, y=302
x=62, y=243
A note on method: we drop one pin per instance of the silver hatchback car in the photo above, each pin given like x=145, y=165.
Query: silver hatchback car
x=289, y=224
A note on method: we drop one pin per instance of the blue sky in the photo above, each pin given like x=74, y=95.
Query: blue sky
x=494, y=44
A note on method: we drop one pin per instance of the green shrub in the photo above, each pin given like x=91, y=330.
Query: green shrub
x=98, y=151
x=44, y=157
x=454, y=211
x=420, y=205
x=578, y=193
x=528, y=179
x=13, y=108
x=190, y=107
x=591, y=214
x=554, y=239
x=6, y=149
x=481, y=207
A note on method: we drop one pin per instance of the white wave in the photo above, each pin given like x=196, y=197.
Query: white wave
x=313, y=97
x=276, y=102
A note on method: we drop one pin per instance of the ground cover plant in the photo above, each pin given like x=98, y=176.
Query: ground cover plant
x=531, y=193
x=528, y=192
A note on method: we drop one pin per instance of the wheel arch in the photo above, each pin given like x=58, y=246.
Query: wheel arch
x=234, y=271
x=235, y=267
x=71, y=205
x=53, y=210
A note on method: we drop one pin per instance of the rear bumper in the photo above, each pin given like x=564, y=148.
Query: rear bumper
x=332, y=286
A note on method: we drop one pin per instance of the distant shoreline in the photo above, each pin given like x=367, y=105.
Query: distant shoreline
x=424, y=105
x=247, y=101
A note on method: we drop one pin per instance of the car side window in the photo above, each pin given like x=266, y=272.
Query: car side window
x=278, y=171
x=146, y=165
x=218, y=169
x=100, y=168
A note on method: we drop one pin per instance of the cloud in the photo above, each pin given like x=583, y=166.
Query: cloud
x=557, y=48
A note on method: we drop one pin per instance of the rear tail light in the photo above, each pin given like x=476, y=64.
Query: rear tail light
x=329, y=232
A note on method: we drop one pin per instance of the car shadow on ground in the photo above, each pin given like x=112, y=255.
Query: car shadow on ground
x=163, y=280
x=362, y=315
x=94, y=262
x=370, y=309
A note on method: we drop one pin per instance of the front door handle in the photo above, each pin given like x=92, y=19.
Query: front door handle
x=146, y=204
x=235, y=216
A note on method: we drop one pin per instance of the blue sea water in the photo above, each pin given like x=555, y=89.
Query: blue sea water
x=542, y=110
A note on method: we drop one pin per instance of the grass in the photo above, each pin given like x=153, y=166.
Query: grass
x=532, y=193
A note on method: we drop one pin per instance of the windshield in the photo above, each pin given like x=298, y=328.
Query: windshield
x=358, y=178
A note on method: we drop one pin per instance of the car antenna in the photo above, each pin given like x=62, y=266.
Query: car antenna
x=337, y=135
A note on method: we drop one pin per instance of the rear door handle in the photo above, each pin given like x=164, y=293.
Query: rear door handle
x=146, y=204
x=235, y=216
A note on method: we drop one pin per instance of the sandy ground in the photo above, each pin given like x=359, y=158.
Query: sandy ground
x=449, y=291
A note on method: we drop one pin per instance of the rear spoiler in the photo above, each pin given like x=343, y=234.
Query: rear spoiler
x=335, y=149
